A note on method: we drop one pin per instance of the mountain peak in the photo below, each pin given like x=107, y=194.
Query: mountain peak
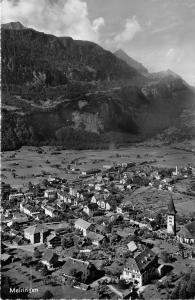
x=120, y=51
x=130, y=61
x=13, y=26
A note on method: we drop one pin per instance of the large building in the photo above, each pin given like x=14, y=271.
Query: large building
x=171, y=218
x=36, y=233
x=140, y=269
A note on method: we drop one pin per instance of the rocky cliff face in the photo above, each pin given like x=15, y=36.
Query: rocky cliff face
x=74, y=93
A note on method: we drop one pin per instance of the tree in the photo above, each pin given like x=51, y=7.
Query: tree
x=45, y=182
x=165, y=257
x=37, y=253
x=123, y=284
x=30, y=186
x=37, y=190
x=44, y=272
x=185, y=288
x=181, y=249
x=159, y=219
x=77, y=274
x=103, y=292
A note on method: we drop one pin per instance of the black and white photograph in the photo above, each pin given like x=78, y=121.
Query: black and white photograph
x=97, y=149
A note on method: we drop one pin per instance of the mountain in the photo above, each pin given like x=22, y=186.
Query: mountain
x=56, y=90
x=13, y=26
x=130, y=61
x=26, y=51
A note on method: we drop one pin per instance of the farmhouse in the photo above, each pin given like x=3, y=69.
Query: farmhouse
x=29, y=210
x=132, y=246
x=50, y=211
x=90, y=209
x=50, y=194
x=53, y=240
x=96, y=239
x=83, y=226
x=187, y=233
x=50, y=259
x=85, y=270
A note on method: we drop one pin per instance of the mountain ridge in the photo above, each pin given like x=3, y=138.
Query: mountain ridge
x=56, y=90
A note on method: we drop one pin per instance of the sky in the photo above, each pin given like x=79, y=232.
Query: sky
x=158, y=33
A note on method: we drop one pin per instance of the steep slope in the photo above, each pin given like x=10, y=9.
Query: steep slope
x=27, y=52
x=130, y=61
x=74, y=93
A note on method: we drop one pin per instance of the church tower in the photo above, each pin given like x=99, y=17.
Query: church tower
x=171, y=218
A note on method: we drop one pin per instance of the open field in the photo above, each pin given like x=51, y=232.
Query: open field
x=154, y=200
x=29, y=165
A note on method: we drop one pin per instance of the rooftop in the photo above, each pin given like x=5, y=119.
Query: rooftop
x=82, y=223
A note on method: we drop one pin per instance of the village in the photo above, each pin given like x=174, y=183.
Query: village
x=91, y=238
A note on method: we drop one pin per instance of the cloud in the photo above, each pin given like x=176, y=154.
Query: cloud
x=98, y=23
x=173, y=56
x=131, y=27
x=58, y=17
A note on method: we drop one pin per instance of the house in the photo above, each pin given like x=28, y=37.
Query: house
x=132, y=246
x=187, y=233
x=50, y=211
x=84, y=269
x=101, y=229
x=76, y=192
x=123, y=208
x=16, y=197
x=90, y=209
x=29, y=210
x=50, y=194
x=91, y=172
x=73, y=191
x=120, y=185
x=67, y=198
x=97, y=197
x=18, y=218
x=18, y=240
x=107, y=167
x=53, y=240
x=105, y=204
x=96, y=239
x=36, y=233
x=28, y=196
x=50, y=259
x=5, y=259
x=140, y=269
x=99, y=186
x=83, y=225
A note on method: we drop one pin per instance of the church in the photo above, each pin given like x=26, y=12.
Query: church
x=171, y=218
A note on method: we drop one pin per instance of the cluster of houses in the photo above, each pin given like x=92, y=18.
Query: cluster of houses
x=87, y=224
